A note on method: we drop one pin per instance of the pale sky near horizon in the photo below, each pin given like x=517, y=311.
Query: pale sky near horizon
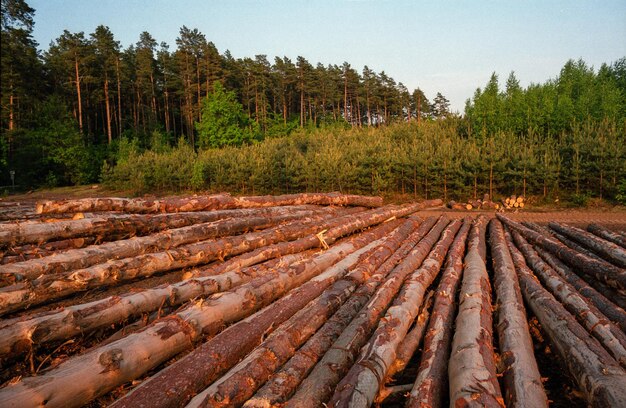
x=443, y=46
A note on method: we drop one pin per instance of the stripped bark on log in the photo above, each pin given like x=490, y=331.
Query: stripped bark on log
x=614, y=312
x=284, y=383
x=606, y=249
x=125, y=226
x=202, y=203
x=318, y=387
x=611, y=294
x=607, y=234
x=117, y=250
x=431, y=384
x=522, y=381
x=32, y=251
x=472, y=368
x=84, y=377
x=19, y=335
x=241, y=381
x=609, y=335
x=361, y=385
x=598, y=375
x=603, y=271
x=412, y=340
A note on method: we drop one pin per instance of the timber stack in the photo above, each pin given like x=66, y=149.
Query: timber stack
x=305, y=300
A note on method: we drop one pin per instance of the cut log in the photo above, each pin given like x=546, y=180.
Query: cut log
x=598, y=375
x=284, y=383
x=609, y=309
x=610, y=293
x=607, y=234
x=606, y=249
x=19, y=335
x=472, y=368
x=361, y=385
x=241, y=381
x=82, y=378
x=522, y=381
x=608, y=334
x=126, y=226
x=603, y=271
x=411, y=341
x=317, y=388
x=116, y=250
x=431, y=384
x=33, y=251
x=202, y=203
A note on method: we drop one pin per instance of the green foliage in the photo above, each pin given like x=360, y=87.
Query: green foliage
x=427, y=160
x=223, y=121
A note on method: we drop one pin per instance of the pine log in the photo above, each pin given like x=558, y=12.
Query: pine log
x=606, y=249
x=412, y=340
x=603, y=271
x=317, y=388
x=284, y=383
x=522, y=381
x=125, y=226
x=47, y=288
x=472, y=368
x=116, y=250
x=181, y=381
x=202, y=203
x=608, y=334
x=431, y=384
x=34, y=251
x=82, y=378
x=598, y=375
x=361, y=385
x=607, y=234
x=614, y=312
x=610, y=293
x=20, y=334
x=240, y=383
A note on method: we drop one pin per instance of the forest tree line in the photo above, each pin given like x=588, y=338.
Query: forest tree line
x=74, y=113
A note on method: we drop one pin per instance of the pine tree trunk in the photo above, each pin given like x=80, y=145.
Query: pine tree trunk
x=318, y=386
x=240, y=383
x=472, y=368
x=431, y=383
x=609, y=335
x=522, y=381
x=597, y=374
x=205, y=203
x=610, y=251
x=360, y=386
x=80, y=103
x=611, y=275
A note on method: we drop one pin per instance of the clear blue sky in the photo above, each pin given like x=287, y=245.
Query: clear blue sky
x=443, y=46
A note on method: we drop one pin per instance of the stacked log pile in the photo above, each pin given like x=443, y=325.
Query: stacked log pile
x=304, y=300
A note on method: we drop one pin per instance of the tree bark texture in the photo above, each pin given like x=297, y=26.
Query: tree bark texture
x=317, y=388
x=361, y=385
x=177, y=384
x=119, y=250
x=608, y=334
x=125, y=226
x=608, y=308
x=612, y=275
x=431, y=383
x=472, y=368
x=83, y=378
x=598, y=375
x=19, y=335
x=241, y=382
x=281, y=386
x=607, y=234
x=606, y=249
x=201, y=203
x=522, y=381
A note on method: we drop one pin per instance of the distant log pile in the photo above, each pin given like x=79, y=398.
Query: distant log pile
x=304, y=300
